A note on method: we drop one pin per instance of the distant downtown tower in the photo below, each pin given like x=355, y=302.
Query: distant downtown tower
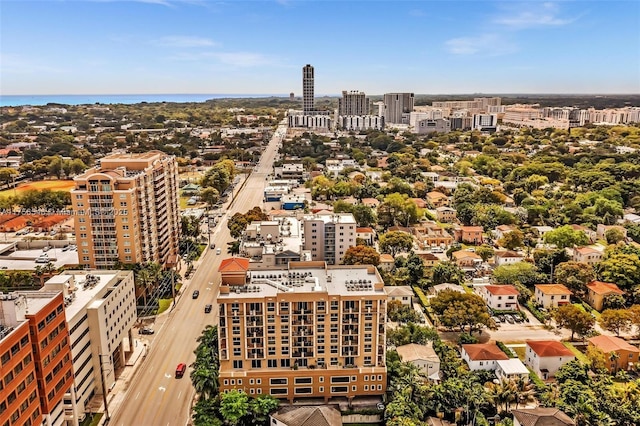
x=307, y=89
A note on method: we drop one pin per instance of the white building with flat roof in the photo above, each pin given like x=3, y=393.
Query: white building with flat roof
x=328, y=236
x=100, y=307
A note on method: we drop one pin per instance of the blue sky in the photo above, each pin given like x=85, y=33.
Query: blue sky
x=259, y=47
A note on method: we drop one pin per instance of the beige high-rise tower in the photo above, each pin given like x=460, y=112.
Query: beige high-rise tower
x=126, y=210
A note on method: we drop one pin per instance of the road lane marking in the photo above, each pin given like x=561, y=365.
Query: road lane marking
x=137, y=395
x=179, y=393
x=162, y=389
x=168, y=376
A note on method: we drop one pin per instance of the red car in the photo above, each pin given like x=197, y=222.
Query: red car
x=180, y=369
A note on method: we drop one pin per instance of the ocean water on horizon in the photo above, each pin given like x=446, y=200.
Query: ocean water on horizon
x=35, y=100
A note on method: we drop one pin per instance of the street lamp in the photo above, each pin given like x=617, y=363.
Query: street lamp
x=104, y=387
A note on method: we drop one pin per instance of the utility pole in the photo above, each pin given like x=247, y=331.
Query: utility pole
x=173, y=290
x=104, y=390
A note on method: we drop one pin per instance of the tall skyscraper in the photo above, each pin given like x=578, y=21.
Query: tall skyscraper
x=353, y=103
x=396, y=105
x=303, y=331
x=127, y=210
x=307, y=89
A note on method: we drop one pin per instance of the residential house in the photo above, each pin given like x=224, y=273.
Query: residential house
x=423, y=357
x=505, y=257
x=437, y=199
x=500, y=297
x=431, y=235
x=367, y=234
x=322, y=415
x=587, y=255
x=420, y=203
x=601, y=230
x=446, y=214
x=387, y=262
x=400, y=293
x=446, y=286
x=501, y=230
x=545, y=357
x=597, y=291
x=371, y=202
x=469, y=234
x=466, y=259
x=591, y=234
x=482, y=356
x=619, y=354
x=428, y=259
x=541, y=416
x=511, y=369
x=552, y=295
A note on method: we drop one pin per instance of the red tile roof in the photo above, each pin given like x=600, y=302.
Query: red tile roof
x=484, y=352
x=234, y=264
x=599, y=287
x=553, y=289
x=612, y=344
x=364, y=230
x=502, y=290
x=548, y=348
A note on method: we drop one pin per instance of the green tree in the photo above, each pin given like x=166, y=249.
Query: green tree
x=361, y=255
x=512, y=240
x=620, y=268
x=395, y=242
x=398, y=209
x=485, y=251
x=7, y=174
x=524, y=273
x=447, y=272
x=566, y=236
x=575, y=276
x=364, y=215
x=234, y=405
x=261, y=406
x=575, y=319
x=461, y=310
x=616, y=320
x=210, y=196
x=614, y=236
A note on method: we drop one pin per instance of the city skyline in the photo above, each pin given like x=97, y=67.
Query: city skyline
x=196, y=46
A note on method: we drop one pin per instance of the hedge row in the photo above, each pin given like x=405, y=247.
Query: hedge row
x=506, y=350
x=425, y=304
x=536, y=313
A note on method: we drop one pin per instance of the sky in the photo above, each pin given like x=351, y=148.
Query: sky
x=259, y=47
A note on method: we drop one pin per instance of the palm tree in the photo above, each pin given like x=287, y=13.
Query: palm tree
x=524, y=390
x=614, y=357
x=501, y=393
x=205, y=380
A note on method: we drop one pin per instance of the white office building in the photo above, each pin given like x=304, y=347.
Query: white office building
x=100, y=307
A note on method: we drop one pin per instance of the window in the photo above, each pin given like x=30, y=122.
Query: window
x=278, y=381
x=303, y=380
x=277, y=391
x=237, y=364
x=339, y=389
x=303, y=390
x=272, y=363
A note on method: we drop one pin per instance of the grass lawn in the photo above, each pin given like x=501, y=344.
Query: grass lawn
x=579, y=355
x=520, y=351
x=92, y=421
x=54, y=185
x=163, y=305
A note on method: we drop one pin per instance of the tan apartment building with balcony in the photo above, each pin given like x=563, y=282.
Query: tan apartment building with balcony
x=306, y=331
x=127, y=210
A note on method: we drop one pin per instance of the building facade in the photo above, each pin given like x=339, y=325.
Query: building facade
x=305, y=331
x=308, y=84
x=353, y=103
x=328, y=236
x=100, y=307
x=397, y=107
x=127, y=210
x=46, y=350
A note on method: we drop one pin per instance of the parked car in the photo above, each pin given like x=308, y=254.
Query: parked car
x=207, y=308
x=146, y=330
x=502, y=318
x=218, y=251
x=510, y=319
x=195, y=295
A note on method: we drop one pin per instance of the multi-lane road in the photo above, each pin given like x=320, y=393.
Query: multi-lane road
x=154, y=396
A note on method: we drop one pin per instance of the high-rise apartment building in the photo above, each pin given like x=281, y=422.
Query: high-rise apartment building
x=307, y=89
x=328, y=236
x=353, y=103
x=397, y=107
x=302, y=331
x=35, y=348
x=127, y=210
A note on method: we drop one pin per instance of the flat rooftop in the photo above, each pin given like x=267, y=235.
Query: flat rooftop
x=332, y=217
x=24, y=260
x=344, y=281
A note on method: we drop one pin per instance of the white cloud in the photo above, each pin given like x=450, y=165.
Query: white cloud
x=235, y=59
x=185, y=41
x=486, y=44
x=532, y=15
